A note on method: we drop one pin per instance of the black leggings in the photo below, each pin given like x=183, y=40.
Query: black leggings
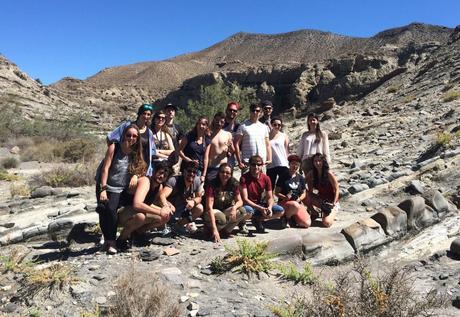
x=108, y=217
x=280, y=171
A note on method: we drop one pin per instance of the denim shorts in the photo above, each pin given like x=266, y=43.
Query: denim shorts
x=275, y=209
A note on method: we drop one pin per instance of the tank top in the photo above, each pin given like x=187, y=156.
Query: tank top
x=279, y=155
x=119, y=176
x=326, y=191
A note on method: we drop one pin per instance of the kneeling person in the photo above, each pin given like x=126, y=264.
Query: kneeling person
x=146, y=213
x=256, y=190
x=184, y=193
x=224, y=206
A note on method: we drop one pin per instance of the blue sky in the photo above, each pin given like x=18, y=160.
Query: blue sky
x=51, y=39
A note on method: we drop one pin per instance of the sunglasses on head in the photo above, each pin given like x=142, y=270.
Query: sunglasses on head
x=146, y=107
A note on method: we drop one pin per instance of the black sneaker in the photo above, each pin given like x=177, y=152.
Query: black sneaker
x=284, y=222
x=259, y=226
x=123, y=245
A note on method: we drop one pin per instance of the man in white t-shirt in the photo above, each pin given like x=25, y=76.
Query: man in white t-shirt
x=252, y=139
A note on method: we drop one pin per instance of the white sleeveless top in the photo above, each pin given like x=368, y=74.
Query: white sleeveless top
x=279, y=155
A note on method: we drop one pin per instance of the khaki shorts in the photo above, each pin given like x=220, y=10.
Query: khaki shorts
x=126, y=213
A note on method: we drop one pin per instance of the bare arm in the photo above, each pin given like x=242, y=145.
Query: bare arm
x=182, y=144
x=166, y=153
x=238, y=139
x=206, y=160
x=279, y=194
x=247, y=201
x=269, y=151
x=143, y=187
x=286, y=144
x=105, y=170
x=326, y=147
x=164, y=194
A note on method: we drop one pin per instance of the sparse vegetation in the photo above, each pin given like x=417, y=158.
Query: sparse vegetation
x=143, y=294
x=13, y=262
x=69, y=151
x=444, y=139
x=290, y=272
x=359, y=293
x=214, y=98
x=34, y=312
x=67, y=176
x=5, y=176
x=392, y=89
x=9, y=162
x=248, y=257
x=94, y=313
x=450, y=96
x=409, y=98
x=19, y=189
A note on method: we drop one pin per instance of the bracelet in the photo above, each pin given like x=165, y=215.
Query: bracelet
x=104, y=187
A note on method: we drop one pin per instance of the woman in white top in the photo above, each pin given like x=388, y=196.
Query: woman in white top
x=279, y=143
x=311, y=142
x=162, y=137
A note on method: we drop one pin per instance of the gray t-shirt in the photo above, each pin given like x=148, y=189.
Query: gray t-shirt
x=179, y=193
x=119, y=176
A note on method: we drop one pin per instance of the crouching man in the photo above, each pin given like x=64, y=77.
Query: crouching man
x=146, y=213
x=184, y=193
x=256, y=190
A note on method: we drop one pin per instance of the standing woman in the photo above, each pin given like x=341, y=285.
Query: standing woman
x=224, y=205
x=121, y=162
x=323, y=191
x=279, y=143
x=162, y=137
x=143, y=121
x=193, y=145
x=311, y=142
x=291, y=190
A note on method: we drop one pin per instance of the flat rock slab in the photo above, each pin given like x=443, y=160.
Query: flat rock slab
x=326, y=247
x=286, y=245
x=365, y=235
x=393, y=221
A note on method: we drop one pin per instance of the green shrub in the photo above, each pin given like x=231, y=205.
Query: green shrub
x=19, y=189
x=215, y=98
x=444, y=139
x=9, y=162
x=409, y=98
x=290, y=272
x=42, y=151
x=450, y=96
x=78, y=150
x=67, y=176
x=248, y=257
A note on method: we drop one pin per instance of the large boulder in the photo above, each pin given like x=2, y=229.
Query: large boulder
x=326, y=247
x=455, y=247
x=393, y=221
x=419, y=215
x=436, y=200
x=291, y=244
x=365, y=235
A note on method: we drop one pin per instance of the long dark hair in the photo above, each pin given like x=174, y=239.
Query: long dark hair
x=137, y=165
x=318, y=132
x=194, y=131
x=232, y=182
x=164, y=128
x=324, y=173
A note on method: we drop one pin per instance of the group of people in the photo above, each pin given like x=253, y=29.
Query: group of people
x=156, y=177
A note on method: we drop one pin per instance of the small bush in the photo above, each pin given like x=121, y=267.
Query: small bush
x=42, y=151
x=359, y=293
x=5, y=176
x=450, y=96
x=290, y=272
x=19, y=190
x=392, y=89
x=9, y=162
x=52, y=278
x=444, y=139
x=94, y=313
x=248, y=257
x=143, y=294
x=78, y=150
x=67, y=176
x=409, y=98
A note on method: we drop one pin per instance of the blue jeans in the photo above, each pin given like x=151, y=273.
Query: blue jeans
x=275, y=209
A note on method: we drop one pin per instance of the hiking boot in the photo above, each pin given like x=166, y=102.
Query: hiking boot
x=123, y=245
x=140, y=239
x=259, y=225
x=243, y=229
x=284, y=222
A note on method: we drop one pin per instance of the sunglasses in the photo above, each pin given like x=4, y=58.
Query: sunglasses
x=160, y=118
x=255, y=110
x=130, y=135
x=233, y=110
x=256, y=164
